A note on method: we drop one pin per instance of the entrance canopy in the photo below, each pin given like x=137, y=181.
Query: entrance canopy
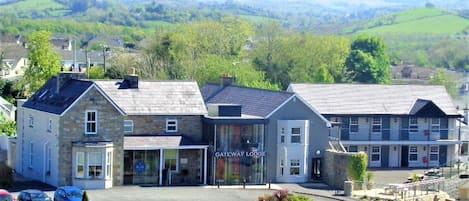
x=159, y=142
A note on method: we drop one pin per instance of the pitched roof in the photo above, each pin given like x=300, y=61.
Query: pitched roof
x=156, y=97
x=153, y=142
x=372, y=99
x=254, y=102
x=4, y=104
x=47, y=100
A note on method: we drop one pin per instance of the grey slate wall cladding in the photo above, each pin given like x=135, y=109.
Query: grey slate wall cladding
x=295, y=110
x=110, y=128
x=188, y=126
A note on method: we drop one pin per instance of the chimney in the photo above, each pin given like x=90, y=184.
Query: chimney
x=227, y=80
x=64, y=77
x=130, y=81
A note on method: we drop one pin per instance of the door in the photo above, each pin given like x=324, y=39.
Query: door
x=405, y=156
x=385, y=156
x=316, y=169
x=443, y=150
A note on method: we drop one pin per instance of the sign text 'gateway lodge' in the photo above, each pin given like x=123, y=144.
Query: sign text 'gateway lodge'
x=229, y=154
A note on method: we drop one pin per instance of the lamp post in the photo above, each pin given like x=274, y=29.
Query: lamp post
x=104, y=58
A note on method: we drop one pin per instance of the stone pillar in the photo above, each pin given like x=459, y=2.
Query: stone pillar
x=348, y=188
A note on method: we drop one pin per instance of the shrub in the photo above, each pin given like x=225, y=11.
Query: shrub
x=357, y=166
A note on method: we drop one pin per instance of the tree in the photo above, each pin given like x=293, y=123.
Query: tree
x=368, y=61
x=356, y=167
x=95, y=73
x=7, y=127
x=446, y=79
x=44, y=62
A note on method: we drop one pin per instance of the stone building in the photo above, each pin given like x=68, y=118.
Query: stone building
x=98, y=134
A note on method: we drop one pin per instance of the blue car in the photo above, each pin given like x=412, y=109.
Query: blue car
x=32, y=195
x=68, y=193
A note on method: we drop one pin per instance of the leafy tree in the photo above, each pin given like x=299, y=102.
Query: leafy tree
x=357, y=165
x=323, y=76
x=446, y=79
x=368, y=61
x=44, y=62
x=95, y=73
x=7, y=127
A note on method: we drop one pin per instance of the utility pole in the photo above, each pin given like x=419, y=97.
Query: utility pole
x=74, y=55
x=104, y=58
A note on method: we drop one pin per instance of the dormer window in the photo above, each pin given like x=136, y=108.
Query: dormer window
x=91, y=122
x=171, y=125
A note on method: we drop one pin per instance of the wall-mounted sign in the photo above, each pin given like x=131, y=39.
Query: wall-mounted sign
x=238, y=154
x=140, y=167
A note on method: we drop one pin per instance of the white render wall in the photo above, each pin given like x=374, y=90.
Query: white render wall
x=287, y=151
x=44, y=140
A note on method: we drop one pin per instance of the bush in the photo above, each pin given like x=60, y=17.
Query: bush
x=357, y=165
x=283, y=195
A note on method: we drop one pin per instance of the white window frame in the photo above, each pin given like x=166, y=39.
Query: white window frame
x=376, y=125
x=434, y=150
x=413, y=126
x=128, y=124
x=295, y=138
x=31, y=154
x=282, y=135
x=295, y=164
x=31, y=121
x=170, y=123
x=49, y=126
x=91, y=122
x=108, y=168
x=435, y=125
x=413, y=152
x=88, y=164
x=376, y=151
x=354, y=125
x=80, y=161
x=176, y=159
x=282, y=167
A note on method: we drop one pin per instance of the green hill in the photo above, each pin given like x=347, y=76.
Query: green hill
x=420, y=20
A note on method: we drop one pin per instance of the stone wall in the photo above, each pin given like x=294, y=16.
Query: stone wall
x=110, y=128
x=193, y=165
x=335, y=168
x=188, y=126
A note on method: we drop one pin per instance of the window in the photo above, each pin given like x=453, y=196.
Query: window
x=80, y=168
x=375, y=153
x=49, y=126
x=353, y=124
x=282, y=165
x=434, y=153
x=413, y=125
x=31, y=150
x=352, y=149
x=170, y=159
x=295, y=167
x=413, y=156
x=171, y=125
x=128, y=126
x=435, y=125
x=95, y=165
x=282, y=135
x=108, y=164
x=464, y=148
x=296, y=135
x=49, y=161
x=31, y=121
x=91, y=122
x=376, y=125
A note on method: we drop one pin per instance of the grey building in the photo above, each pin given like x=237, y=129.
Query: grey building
x=259, y=135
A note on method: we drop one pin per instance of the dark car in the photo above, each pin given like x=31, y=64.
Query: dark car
x=33, y=195
x=68, y=193
x=5, y=195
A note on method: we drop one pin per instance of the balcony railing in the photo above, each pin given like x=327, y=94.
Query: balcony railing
x=397, y=134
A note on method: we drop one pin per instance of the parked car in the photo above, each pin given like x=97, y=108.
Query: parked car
x=33, y=195
x=5, y=195
x=68, y=193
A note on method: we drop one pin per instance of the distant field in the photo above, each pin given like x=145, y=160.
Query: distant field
x=420, y=20
x=445, y=24
x=256, y=19
x=31, y=6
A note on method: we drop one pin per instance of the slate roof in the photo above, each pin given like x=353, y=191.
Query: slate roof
x=152, y=142
x=254, y=102
x=47, y=100
x=6, y=105
x=372, y=99
x=156, y=97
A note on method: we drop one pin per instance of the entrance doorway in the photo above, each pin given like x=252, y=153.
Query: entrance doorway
x=316, y=169
x=405, y=156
